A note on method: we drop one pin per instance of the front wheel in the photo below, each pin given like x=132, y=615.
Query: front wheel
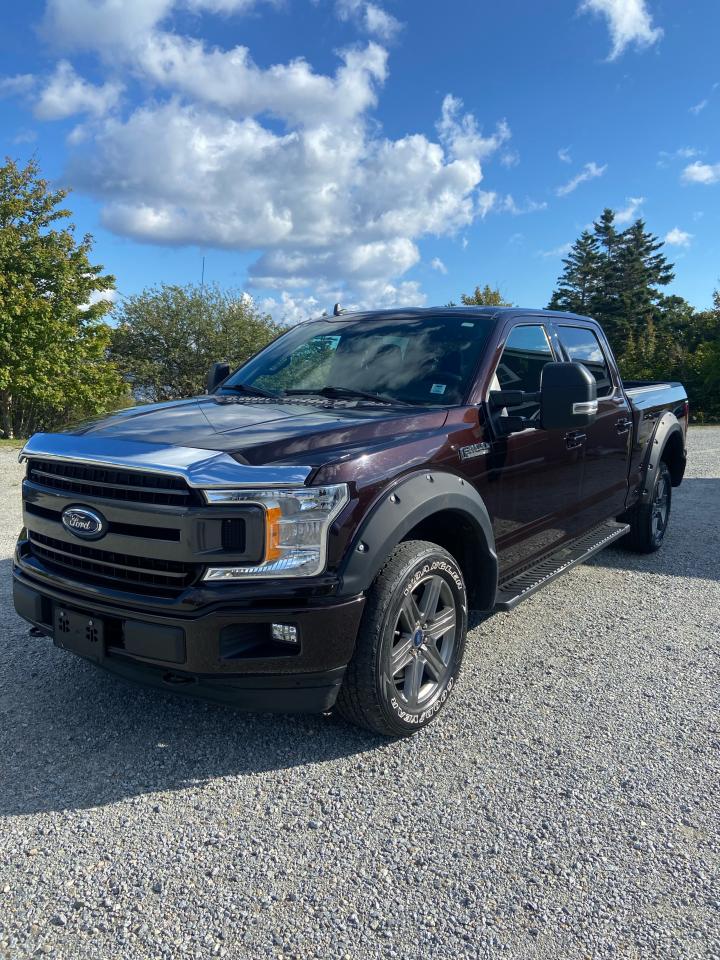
x=410, y=643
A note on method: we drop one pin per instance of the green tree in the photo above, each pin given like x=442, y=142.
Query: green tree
x=486, y=297
x=168, y=336
x=641, y=268
x=53, y=342
x=617, y=277
x=578, y=284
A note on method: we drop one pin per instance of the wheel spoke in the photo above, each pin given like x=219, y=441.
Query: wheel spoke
x=441, y=624
x=434, y=661
x=413, y=680
x=410, y=612
x=401, y=654
x=430, y=597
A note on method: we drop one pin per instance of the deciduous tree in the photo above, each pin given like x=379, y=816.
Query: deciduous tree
x=168, y=336
x=53, y=341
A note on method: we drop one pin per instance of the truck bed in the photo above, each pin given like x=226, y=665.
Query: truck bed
x=648, y=394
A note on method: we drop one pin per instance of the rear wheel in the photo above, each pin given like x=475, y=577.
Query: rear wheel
x=649, y=521
x=410, y=643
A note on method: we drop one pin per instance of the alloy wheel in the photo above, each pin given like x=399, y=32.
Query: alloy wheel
x=424, y=637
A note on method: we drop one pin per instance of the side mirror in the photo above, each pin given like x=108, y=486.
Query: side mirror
x=216, y=374
x=568, y=396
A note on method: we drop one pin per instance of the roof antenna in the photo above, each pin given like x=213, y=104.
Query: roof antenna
x=337, y=310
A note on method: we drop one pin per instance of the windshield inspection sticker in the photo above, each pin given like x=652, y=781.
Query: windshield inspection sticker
x=437, y=388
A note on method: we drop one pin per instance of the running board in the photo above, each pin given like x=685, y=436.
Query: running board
x=524, y=584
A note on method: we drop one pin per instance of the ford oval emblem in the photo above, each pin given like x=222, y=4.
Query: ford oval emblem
x=84, y=522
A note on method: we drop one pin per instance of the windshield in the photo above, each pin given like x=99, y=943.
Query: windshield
x=426, y=359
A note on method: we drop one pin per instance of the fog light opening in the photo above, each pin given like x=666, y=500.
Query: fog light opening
x=284, y=632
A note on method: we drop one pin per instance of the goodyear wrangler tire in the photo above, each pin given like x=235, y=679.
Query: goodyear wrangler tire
x=410, y=644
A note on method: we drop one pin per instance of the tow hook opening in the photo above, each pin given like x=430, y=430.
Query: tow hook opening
x=178, y=679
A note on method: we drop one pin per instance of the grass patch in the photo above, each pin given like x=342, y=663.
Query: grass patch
x=12, y=444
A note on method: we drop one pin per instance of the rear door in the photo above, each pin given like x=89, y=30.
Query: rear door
x=607, y=440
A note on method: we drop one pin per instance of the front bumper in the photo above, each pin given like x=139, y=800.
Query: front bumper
x=222, y=651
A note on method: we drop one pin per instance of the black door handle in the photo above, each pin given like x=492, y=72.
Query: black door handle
x=623, y=426
x=575, y=439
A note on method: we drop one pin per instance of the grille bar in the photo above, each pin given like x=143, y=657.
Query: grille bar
x=110, y=483
x=146, y=574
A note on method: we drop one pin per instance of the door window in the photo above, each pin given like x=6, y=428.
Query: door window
x=582, y=345
x=527, y=350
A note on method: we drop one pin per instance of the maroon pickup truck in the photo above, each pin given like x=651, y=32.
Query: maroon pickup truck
x=311, y=533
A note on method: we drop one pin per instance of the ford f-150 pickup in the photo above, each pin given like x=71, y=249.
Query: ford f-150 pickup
x=311, y=533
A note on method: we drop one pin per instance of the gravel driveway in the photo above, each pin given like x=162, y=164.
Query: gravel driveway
x=566, y=805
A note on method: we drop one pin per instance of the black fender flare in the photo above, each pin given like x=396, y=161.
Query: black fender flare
x=666, y=426
x=400, y=508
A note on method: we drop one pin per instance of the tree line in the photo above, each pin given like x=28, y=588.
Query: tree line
x=69, y=350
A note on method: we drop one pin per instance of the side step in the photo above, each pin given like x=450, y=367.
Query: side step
x=524, y=584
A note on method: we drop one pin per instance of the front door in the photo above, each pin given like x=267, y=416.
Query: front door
x=533, y=484
x=607, y=439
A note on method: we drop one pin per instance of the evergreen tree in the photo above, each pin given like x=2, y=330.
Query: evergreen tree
x=614, y=276
x=640, y=270
x=486, y=297
x=577, y=286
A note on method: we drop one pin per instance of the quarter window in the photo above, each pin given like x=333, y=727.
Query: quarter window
x=582, y=345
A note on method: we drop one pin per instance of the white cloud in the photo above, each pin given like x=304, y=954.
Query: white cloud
x=284, y=161
x=102, y=24
x=682, y=153
x=629, y=22
x=564, y=155
x=381, y=23
x=508, y=205
x=291, y=310
x=557, y=252
x=369, y=16
x=66, y=94
x=329, y=207
x=678, y=238
x=698, y=107
x=100, y=296
x=19, y=84
x=628, y=213
x=511, y=158
x=462, y=137
x=588, y=172
x=437, y=264
x=698, y=172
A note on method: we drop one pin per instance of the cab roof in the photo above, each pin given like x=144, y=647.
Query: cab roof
x=408, y=313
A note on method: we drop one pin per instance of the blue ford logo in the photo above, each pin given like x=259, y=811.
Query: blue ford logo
x=84, y=522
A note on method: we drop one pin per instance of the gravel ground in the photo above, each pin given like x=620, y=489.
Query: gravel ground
x=565, y=806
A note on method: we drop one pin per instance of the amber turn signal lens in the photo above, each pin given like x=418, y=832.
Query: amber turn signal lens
x=273, y=550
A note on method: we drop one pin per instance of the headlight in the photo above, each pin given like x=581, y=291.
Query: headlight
x=297, y=520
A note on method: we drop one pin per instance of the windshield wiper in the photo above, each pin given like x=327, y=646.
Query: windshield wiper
x=345, y=393
x=251, y=391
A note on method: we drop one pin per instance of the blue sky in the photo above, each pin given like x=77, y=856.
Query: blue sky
x=379, y=153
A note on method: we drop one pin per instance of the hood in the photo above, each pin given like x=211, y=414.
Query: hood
x=258, y=431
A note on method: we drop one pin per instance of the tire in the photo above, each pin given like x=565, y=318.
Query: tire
x=649, y=521
x=410, y=643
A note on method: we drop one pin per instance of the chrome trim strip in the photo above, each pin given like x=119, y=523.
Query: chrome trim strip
x=199, y=468
x=585, y=407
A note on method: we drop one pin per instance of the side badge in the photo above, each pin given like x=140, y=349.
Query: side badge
x=474, y=450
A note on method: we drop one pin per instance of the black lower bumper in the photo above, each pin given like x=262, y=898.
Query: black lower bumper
x=219, y=653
